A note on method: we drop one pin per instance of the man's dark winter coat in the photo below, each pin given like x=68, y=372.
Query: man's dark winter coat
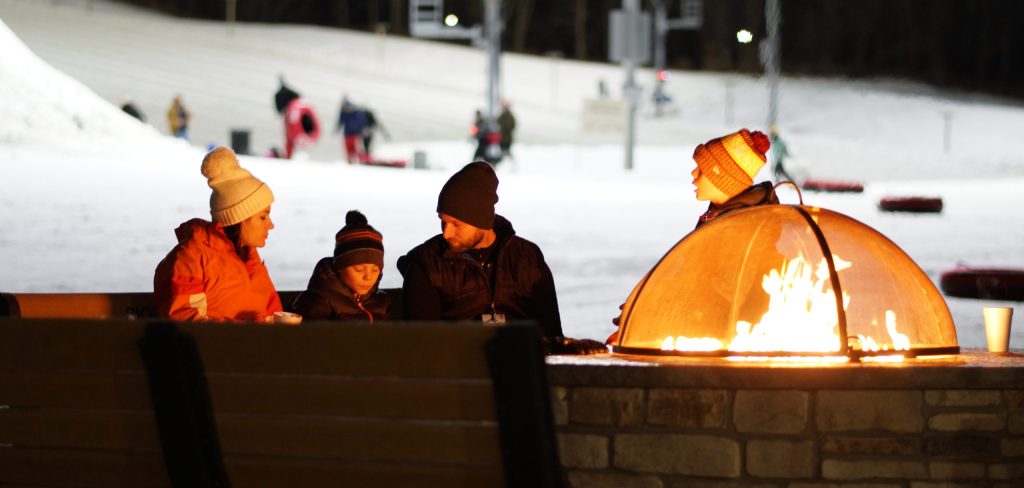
x=327, y=297
x=443, y=285
x=762, y=193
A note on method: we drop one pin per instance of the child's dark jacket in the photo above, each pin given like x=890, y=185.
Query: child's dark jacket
x=762, y=193
x=327, y=298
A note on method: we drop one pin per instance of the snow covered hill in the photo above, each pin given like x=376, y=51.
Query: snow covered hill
x=89, y=197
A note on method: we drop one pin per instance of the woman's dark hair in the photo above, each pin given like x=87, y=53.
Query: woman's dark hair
x=234, y=233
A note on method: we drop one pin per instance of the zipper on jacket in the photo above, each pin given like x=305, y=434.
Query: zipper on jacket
x=359, y=303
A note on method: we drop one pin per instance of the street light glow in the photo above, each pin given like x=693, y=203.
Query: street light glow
x=451, y=20
x=744, y=36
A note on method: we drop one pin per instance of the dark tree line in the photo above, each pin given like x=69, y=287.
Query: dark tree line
x=968, y=44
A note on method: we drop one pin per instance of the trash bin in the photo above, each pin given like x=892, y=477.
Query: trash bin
x=419, y=160
x=240, y=141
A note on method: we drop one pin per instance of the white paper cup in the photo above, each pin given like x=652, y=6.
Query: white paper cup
x=997, y=327
x=287, y=318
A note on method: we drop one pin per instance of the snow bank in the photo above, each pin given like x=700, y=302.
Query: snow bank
x=43, y=105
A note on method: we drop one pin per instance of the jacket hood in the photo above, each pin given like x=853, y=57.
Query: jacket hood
x=204, y=233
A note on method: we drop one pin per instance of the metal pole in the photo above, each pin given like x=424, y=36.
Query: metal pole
x=660, y=32
x=632, y=10
x=771, y=58
x=492, y=26
x=230, y=15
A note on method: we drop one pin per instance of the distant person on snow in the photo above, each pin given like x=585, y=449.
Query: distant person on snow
x=351, y=123
x=214, y=273
x=284, y=95
x=779, y=153
x=128, y=107
x=346, y=286
x=301, y=126
x=178, y=118
x=724, y=177
x=507, y=123
x=478, y=132
x=372, y=126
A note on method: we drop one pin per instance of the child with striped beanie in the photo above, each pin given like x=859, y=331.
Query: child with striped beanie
x=724, y=176
x=346, y=286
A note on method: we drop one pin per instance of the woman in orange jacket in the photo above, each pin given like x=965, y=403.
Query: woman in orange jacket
x=215, y=272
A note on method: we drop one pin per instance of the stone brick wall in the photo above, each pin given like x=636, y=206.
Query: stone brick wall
x=614, y=435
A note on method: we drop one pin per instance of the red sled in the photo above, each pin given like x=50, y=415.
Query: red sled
x=833, y=186
x=392, y=163
x=984, y=283
x=911, y=204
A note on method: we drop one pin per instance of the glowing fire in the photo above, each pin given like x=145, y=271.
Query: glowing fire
x=801, y=316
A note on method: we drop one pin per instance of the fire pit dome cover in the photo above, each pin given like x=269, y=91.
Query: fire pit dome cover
x=757, y=280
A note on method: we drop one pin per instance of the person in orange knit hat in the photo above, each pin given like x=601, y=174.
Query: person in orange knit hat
x=214, y=272
x=724, y=177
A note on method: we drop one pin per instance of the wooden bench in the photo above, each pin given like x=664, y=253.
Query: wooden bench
x=139, y=403
x=115, y=305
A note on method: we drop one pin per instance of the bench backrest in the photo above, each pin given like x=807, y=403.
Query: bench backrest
x=319, y=404
x=116, y=305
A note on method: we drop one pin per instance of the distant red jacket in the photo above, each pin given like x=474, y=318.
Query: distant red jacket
x=203, y=278
x=302, y=127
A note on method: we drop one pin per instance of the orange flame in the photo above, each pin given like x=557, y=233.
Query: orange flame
x=801, y=316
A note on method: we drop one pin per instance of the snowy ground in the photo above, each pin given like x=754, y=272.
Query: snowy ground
x=89, y=197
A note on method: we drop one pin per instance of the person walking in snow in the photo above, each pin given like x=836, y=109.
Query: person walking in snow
x=779, y=152
x=301, y=126
x=346, y=286
x=507, y=124
x=178, y=118
x=351, y=124
x=284, y=95
x=215, y=273
x=372, y=126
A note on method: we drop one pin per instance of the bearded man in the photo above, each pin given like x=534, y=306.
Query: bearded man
x=477, y=268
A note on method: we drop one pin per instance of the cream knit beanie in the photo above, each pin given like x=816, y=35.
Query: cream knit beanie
x=237, y=194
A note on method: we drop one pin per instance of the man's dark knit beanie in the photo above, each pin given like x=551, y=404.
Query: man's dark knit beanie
x=470, y=195
x=358, y=242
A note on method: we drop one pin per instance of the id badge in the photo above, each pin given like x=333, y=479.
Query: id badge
x=493, y=318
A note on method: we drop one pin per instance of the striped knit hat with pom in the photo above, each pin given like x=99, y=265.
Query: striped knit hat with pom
x=730, y=162
x=358, y=242
x=237, y=194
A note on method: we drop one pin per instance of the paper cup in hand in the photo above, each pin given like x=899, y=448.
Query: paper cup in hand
x=287, y=318
x=997, y=327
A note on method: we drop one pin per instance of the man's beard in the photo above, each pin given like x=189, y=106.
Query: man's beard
x=463, y=246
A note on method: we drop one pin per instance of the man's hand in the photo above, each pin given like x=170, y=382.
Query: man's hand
x=566, y=345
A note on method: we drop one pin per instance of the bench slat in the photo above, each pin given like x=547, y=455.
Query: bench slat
x=288, y=436
x=247, y=471
x=85, y=429
x=81, y=468
x=49, y=345
x=76, y=389
x=353, y=397
x=402, y=350
x=86, y=305
x=359, y=439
